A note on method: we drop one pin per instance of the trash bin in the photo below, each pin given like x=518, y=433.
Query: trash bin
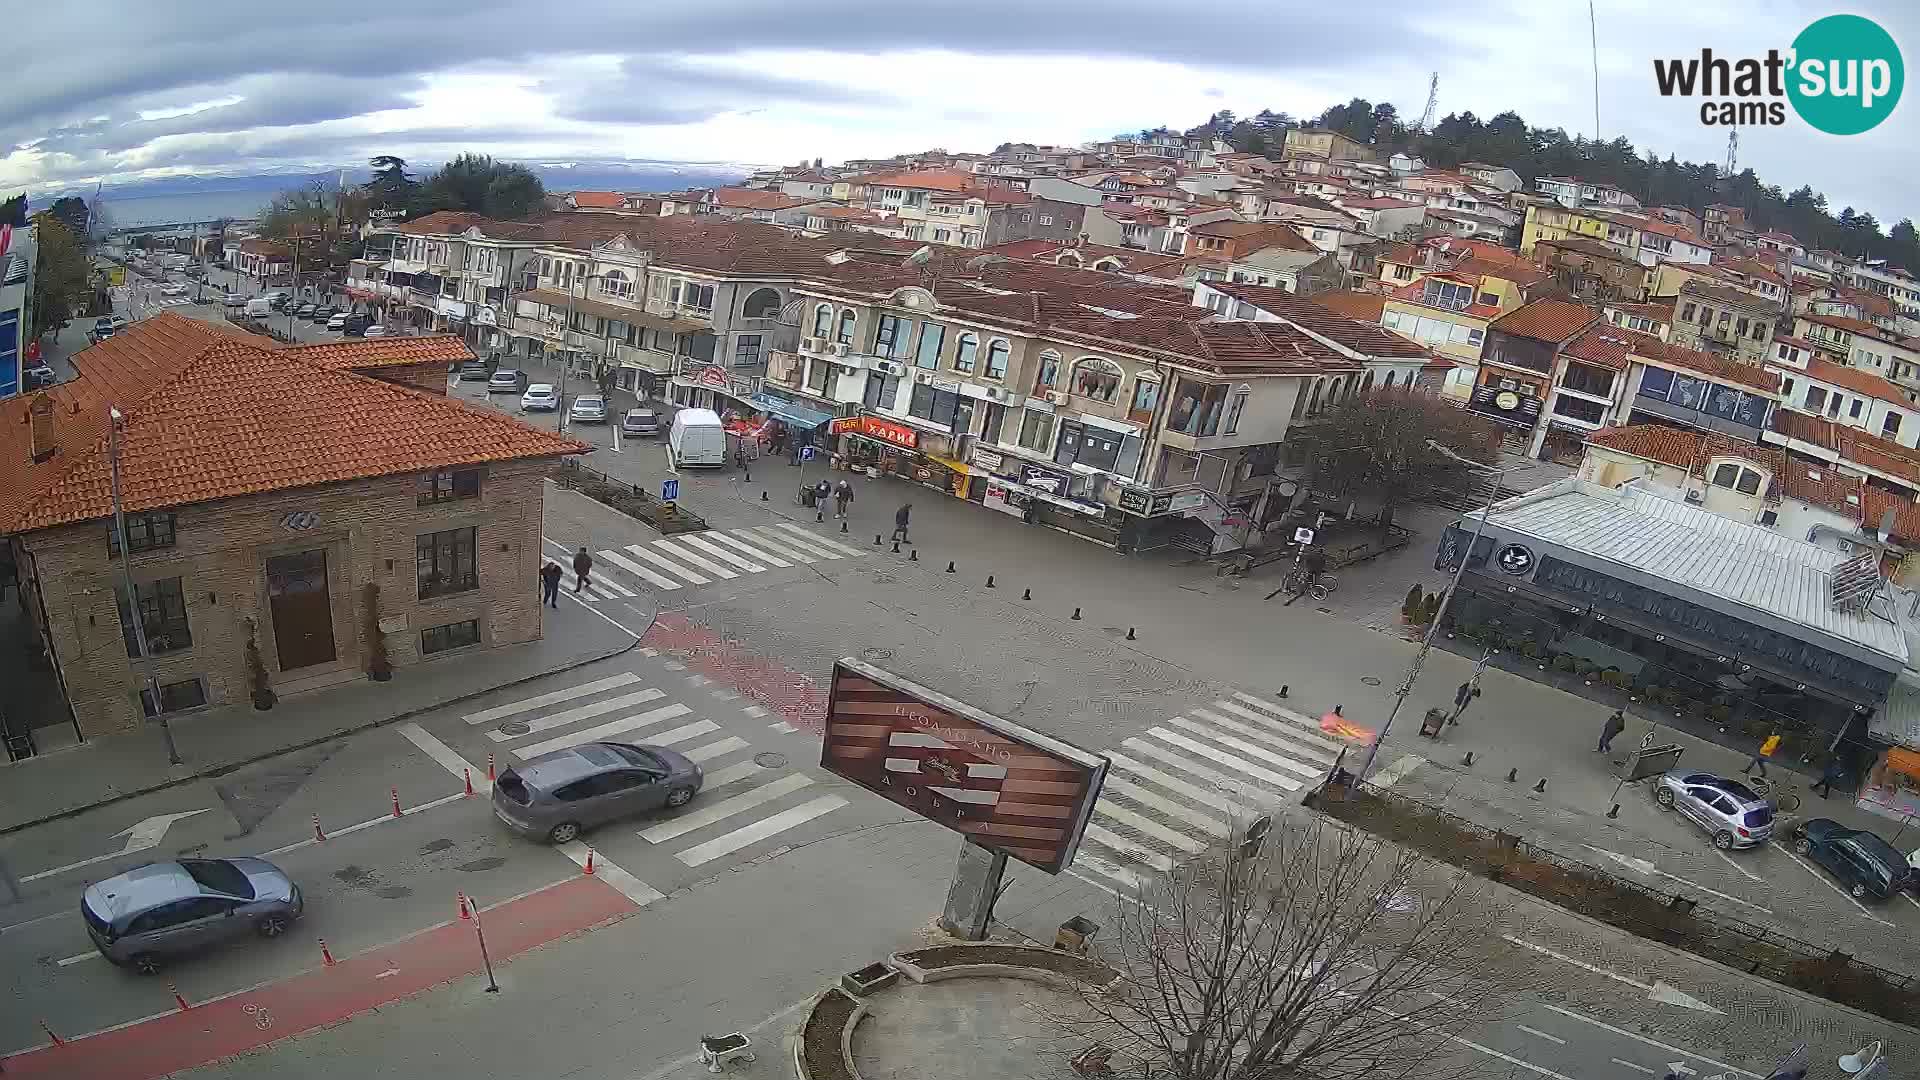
x=1075, y=933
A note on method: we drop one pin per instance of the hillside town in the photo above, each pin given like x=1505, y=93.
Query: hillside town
x=1354, y=472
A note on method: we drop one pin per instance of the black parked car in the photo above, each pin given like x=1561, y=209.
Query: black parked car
x=356, y=324
x=1865, y=865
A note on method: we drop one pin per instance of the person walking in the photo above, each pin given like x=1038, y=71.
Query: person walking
x=582, y=568
x=842, y=498
x=900, y=517
x=1760, y=756
x=1611, y=730
x=1829, y=775
x=550, y=583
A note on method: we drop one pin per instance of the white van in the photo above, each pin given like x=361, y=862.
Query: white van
x=259, y=307
x=696, y=439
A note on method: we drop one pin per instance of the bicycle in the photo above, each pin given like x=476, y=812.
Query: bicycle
x=1784, y=799
x=1316, y=586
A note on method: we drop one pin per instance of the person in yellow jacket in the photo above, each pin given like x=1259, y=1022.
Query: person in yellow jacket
x=1767, y=747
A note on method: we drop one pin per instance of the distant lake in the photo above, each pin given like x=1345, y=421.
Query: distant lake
x=124, y=213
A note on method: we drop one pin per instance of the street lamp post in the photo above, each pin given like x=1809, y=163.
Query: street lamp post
x=116, y=432
x=1446, y=600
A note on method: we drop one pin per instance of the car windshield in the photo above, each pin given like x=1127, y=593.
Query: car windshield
x=643, y=758
x=218, y=875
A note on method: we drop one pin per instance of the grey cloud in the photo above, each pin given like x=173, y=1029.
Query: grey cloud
x=658, y=89
x=266, y=102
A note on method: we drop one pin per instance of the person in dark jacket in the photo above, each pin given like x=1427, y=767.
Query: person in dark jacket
x=900, y=517
x=550, y=583
x=1611, y=730
x=842, y=498
x=582, y=567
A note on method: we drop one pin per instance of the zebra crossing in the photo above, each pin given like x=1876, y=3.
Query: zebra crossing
x=741, y=804
x=676, y=562
x=1186, y=783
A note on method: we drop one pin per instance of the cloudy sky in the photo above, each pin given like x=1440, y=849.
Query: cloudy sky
x=122, y=90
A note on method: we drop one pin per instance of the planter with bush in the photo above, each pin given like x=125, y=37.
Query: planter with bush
x=1410, y=607
x=259, y=682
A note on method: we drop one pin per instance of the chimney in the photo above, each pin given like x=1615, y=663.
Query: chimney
x=40, y=427
x=1886, y=524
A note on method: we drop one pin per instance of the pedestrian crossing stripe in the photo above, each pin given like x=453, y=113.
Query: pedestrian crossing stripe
x=583, y=712
x=791, y=552
x=718, y=552
x=831, y=545
x=637, y=570
x=801, y=540
x=670, y=564
x=725, y=808
x=682, y=554
x=669, y=567
x=625, y=678
x=623, y=726
x=766, y=827
x=723, y=538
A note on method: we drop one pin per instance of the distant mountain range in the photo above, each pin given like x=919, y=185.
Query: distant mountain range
x=557, y=175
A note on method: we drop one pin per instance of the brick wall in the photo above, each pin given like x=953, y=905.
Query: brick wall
x=431, y=376
x=369, y=530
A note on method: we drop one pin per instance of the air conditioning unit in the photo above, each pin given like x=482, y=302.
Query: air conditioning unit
x=995, y=393
x=890, y=367
x=1694, y=495
x=1058, y=397
x=839, y=348
x=810, y=344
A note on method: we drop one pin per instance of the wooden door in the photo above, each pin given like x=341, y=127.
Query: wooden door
x=302, y=610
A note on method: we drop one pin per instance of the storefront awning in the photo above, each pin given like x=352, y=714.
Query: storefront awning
x=957, y=466
x=789, y=411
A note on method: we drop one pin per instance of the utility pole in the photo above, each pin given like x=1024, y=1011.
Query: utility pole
x=116, y=433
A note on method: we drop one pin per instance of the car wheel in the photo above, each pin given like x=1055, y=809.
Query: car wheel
x=145, y=963
x=679, y=796
x=1723, y=840
x=1664, y=797
x=564, y=833
x=1857, y=891
x=1803, y=845
x=272, y=926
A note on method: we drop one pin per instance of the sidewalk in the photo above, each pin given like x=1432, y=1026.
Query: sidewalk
x=106, y=770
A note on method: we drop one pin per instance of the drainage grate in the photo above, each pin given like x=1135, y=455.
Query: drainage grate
x=871, y=655
x=514, y=727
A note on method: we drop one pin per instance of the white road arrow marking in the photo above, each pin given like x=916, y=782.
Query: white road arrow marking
x=140, y=836
x=1644, y=866
x=1656, y=991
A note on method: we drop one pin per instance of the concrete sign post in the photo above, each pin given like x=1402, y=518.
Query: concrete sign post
x=975, y=886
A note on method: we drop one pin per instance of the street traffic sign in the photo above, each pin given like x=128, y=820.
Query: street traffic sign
x=1303, y=536
x=806, y=453
x=669, y=490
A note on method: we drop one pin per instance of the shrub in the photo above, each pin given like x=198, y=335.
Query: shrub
x=1565, y=663
x=379, y=664
x=1410, y=607
x=1430, y=609
x=258, y=681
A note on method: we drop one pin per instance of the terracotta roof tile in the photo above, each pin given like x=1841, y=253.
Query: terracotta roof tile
x=1856, y=380
x=1310, y=315
x=1586, y=245
x=1874, y=504
x=1820, y=484
x=1684, y=448
x=598, y=200
x=1806, y=428
x=367, y=355
x=211, y=416
x=1365, y=306
x=739, y=198
x=1851, y=326
x=1646, y=347
x=1545, y=320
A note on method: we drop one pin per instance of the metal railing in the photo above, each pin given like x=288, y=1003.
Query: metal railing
x=669, y=517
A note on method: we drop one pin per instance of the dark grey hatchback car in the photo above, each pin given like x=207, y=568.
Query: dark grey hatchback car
x=555, y=796
x=150, y=913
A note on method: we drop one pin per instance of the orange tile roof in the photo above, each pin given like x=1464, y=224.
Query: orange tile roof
x=929, y=179
x=1603, y=344
x=1545, y=320
x=1366, y=306
x=1851, y=326
x=211, y=415
x=1684, y=448
x=365, y=355
x=1819, y=484
x=739, y=198
x=1362, y=336
x=1649, y=348
x=1803, y=427
x=1875, y=503
x=598, y=200
x=1855, y=379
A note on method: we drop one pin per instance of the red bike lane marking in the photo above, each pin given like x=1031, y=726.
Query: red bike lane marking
x=251, y=1019
x=799, y=699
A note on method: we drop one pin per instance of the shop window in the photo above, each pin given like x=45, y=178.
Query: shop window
x=1085, y=445
x=445, y=563
x=439, y=639
x=449, y=485
x=145, y=532
x=1096, y=378
x=163, y=617
x=1656, y=382
x=1036, y=431
x=746, y=350
x=1047, y=375
x=174, y=697
x=997, y=359
x=964, y=352
x=847, y=319
x=934, y=406
x=995, y=419
x=823, y=320
x=1590, y=412
x=882, y=389
x=927, y=353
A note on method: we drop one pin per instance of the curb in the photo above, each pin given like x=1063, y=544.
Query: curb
x=227, y=767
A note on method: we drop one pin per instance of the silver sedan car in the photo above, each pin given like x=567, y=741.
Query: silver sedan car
x=555, y=796
x=1731, y=812
x=152, y=912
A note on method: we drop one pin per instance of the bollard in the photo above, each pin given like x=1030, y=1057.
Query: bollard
x=989, y=581
x=876, y=540
x=914, y=555
x=489, y=767
x=468, y=775
x=318, y=836
x=1026, y=594
x=1283, y=691
x=1467, y=762
x=57, y=1040
x=1076, y=614
x=1541, y=786
x=763, y=495
x=1613, y=813
x=896, y=547
x=396, y=800
x=819, y=515
x=1337, y=712
x=465, y=915
x=843, y=526
x=949, y=566
x=326, y=956
x=588, y=869
x=1513, y=776
x=177, y=999
x=1130, y=636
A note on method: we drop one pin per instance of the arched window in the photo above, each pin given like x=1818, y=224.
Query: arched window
x=1047, y=375
x=997, y=351
x=1366, y=383
x=1313, y=402
x=616, y=283
x=761, y=304
x=965, y=351
x=1390, y=378
x=1096, y=378
x=845, y=336
x=1146, y=394
x=823, y=320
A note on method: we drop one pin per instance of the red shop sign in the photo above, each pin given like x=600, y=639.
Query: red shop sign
x=840, y=425
x=886, y=431
x=714, y=376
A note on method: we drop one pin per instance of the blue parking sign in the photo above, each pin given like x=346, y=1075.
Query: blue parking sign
x=669, y=490
x=806, y=453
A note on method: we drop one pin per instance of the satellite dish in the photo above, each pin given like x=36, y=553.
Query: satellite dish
x=920, y=257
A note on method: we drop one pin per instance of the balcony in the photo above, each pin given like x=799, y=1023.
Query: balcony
x=786, y=369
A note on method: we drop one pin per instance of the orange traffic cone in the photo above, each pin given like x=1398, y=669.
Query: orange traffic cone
x=177, y=999
x=589, y=867
x=465, y=915
x=326, y=956
x=468, y=773
x=489, y=768
x=317, y=834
